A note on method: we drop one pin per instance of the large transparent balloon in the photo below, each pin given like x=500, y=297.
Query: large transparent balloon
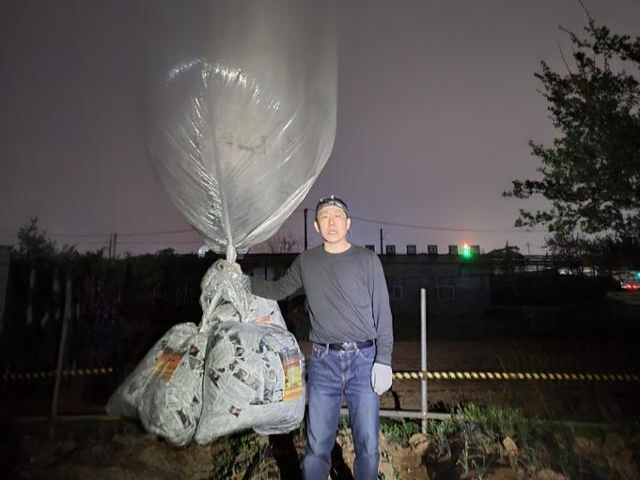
x=239, y=133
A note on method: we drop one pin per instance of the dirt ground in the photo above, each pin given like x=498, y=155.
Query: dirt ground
x=102, y=448
x=107, y=449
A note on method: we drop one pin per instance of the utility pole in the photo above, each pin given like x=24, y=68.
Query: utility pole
x=110, y=246
x=305, y=228
x=381, y=235
x=113, y=240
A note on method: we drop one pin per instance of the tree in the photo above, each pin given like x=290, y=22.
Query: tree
x=283, y=242
x=591, y=172
x=34, y=243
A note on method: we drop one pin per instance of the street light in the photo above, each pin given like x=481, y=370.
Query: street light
x=465, y=251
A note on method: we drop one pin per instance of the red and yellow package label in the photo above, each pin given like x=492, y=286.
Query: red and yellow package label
x=166, y=365
x=292, y=379
x=264, y=320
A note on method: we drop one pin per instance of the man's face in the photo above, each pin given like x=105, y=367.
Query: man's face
x=332, y=224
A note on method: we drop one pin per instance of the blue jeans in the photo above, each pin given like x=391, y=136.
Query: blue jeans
x=332, y=374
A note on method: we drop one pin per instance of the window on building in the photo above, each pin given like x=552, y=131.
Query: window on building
x=258, y=272
x=265, y=273
x=395, y=292
x=272, y=274
x=446, y=293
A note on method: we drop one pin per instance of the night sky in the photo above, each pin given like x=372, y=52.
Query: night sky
x=436, y=103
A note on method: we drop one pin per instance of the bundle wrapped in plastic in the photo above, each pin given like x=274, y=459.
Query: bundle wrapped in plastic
x=253, y=365
x=253, y=380
x=165, y=389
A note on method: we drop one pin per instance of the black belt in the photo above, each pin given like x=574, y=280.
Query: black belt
x=348, y=345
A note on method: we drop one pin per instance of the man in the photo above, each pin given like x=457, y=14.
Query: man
x=352, y=335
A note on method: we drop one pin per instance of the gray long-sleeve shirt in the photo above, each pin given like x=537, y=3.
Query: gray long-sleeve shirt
x=347, y=296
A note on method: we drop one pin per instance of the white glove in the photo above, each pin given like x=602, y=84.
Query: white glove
x=381, y=378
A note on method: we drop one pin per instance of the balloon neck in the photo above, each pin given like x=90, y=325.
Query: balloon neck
x=231, y=254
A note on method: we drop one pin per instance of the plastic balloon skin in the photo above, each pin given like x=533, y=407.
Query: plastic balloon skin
x=238, y=138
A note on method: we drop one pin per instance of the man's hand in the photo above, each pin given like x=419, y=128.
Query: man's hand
x=381, y=378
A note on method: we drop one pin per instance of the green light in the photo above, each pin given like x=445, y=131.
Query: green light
x=638, y=275
x=465, y=251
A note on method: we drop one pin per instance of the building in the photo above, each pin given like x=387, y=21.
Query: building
x=456, y=287
x=4, y=280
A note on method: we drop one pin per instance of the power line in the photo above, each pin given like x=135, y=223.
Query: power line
x=105, y=234
x=163, y=243
x=83, y=235
x=131, y=234
x=91, y=243
x=138, y=234
x=445, y=229
x=191, y=231
x=61, y=234
x=169, y=232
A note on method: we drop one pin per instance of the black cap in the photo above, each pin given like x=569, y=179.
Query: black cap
x=334, y=201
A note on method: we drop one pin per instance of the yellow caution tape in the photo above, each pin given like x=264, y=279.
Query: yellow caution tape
x=52, y=374
x=414, y=375
x=544, y=376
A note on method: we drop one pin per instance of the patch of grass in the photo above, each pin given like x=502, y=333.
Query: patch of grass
x=398, y=431
x=475, y=437
x=237, y=454
x=439, y=432
x=481, y=466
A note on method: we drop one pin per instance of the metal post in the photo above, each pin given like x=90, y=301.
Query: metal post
x=423, y=358
x=305, y=228
x=61, y=351
x=31, y=293
x=413, y=414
